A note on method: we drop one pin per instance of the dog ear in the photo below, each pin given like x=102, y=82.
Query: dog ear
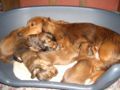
x=49, y=19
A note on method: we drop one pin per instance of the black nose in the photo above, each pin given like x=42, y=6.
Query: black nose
x=53, y=38
x=16, y=58
x=45, y=49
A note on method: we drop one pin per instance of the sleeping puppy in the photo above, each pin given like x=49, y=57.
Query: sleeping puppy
x=27, y=51
x=42, y=42
x=13, y=38
x=89, y=63
x=85, y=72
x=39, y=68
x=73, y=35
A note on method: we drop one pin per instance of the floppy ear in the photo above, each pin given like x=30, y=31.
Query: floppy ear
x=7, y=46
x=49, y=19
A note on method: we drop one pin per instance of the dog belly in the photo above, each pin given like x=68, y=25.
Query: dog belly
x=22, y=73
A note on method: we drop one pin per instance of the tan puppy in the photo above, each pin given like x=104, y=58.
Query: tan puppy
x=85, y=72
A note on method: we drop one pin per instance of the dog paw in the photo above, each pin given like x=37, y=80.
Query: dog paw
x=44, y=71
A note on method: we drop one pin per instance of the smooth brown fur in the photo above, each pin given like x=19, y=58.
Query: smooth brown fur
x=83, y=70
x=8, y=44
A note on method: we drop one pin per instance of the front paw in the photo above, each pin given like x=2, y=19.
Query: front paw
x=44, y=71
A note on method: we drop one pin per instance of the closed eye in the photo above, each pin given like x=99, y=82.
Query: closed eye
x=19, y=34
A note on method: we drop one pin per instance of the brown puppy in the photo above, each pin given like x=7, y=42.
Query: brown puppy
x=35, y=42
x=12, y=39
x=27, y=51
x=88, y=69
x=84, y=72
x=38, y=67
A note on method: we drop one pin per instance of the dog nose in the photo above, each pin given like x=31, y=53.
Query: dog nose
x=17, y=58
x=45, y=49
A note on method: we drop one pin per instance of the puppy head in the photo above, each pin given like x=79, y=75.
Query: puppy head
x=44, y=24
x=42, y=42
x=11, y=39
x=40, y=20
x=37, y=22
x=35, y=42
x=34, y=26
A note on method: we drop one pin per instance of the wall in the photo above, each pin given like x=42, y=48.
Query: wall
x=103, y=4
